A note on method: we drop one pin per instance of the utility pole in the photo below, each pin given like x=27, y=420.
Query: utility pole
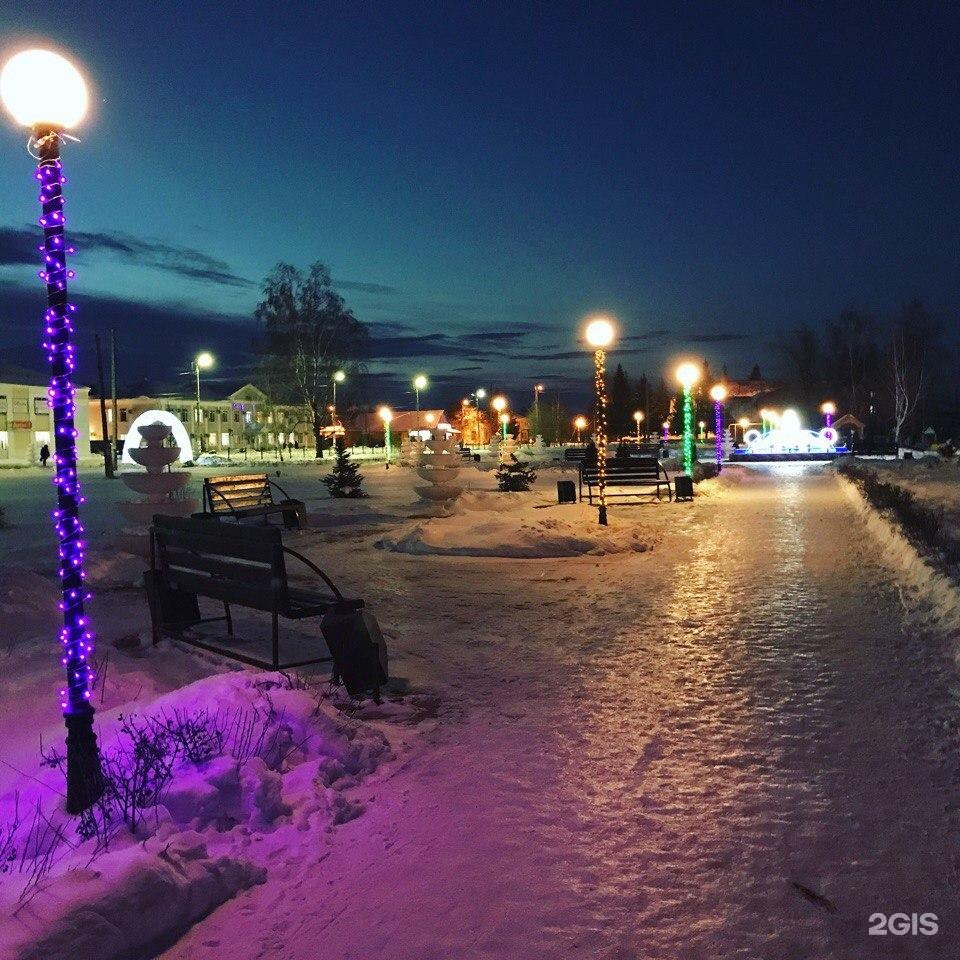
x=107, y=452
x=113, y=394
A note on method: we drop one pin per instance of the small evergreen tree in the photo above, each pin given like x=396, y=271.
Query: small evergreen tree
x=514, y=476
x=345, y=479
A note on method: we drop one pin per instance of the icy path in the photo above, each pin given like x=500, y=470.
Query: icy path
x=651, y=768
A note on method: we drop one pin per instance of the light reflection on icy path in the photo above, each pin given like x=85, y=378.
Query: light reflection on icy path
x=764, y=726
x=641, y=753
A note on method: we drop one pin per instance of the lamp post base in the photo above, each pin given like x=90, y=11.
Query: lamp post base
x=603, y=516
x=85, y=783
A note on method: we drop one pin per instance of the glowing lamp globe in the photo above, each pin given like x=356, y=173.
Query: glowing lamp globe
x=599, y=333
x=204, y=360
x=339, y=376
x=829, y=408
x=504, y=418
x=420, y=382
x=40, y=88
x=638, y=416
x=385, y=414
x=744, y=422
x=580, y=423
x=718, y=393
x=499, y=404
x=687, y=375
x=431, y=418
x=481, y=393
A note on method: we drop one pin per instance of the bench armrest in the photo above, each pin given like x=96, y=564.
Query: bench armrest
x=316, y=570
x=271, y=483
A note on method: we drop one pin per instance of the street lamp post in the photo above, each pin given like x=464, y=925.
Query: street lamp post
x=599, y=334
x=580, y=424
x=828, y=410
x=420, y=382
x=46, y=93
x=666, y=432
x=338, y=377
x=638, y=419
x=202, y=361
x=537, y=390
x=386, y=415
x=718, y=393
x=499, y=404
x=688, y=374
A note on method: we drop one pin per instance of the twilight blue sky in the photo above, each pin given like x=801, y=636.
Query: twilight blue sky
x=479, y=176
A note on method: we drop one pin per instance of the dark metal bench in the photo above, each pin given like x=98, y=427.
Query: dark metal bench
x=240, y=565
x=628, y=472
x=250, y=495
x=574, y=454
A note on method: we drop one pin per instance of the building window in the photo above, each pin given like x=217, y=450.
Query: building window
x=123, y=416
x=40, y=406
x=3, y=404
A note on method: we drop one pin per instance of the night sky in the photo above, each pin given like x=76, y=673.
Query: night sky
x=479, y=177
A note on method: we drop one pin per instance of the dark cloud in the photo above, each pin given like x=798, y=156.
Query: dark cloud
x=154, y=341
x=18, y=246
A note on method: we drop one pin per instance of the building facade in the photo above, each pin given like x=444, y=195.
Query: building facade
x=244, y=421
x=25, y=423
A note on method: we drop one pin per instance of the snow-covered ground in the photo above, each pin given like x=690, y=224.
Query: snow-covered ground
x=703, y=732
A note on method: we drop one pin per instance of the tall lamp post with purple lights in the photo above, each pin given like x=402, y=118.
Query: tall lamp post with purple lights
x=718, y=393
x=45, y=93
x=828, y=409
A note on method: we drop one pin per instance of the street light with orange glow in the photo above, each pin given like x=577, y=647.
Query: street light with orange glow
x=579, y=424
x=599, y=334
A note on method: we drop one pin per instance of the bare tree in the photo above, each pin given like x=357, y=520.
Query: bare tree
x=912, y=341
x=306, y=334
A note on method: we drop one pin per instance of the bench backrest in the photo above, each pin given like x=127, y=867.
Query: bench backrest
x=221, y=560
x=626, y=469
x=223, y=494
x=574, y=453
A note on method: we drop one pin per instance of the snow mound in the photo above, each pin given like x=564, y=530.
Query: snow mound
x=131, y=902
x=520, y=537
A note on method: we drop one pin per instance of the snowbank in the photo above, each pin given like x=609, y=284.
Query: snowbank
x=572, y=533
x=251, y=757
x=927, y=595
x=128, y=903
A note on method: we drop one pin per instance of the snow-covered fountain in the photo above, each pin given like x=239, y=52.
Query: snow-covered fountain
x=159, y=485
x=439, y=464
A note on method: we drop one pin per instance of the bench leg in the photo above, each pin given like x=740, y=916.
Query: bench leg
x=229, y=618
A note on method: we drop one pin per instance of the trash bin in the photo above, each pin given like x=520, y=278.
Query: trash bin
x=566, y=491
x=682, y=487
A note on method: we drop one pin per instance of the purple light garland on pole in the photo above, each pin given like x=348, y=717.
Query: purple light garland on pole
x=718, y=393
x=84, y=775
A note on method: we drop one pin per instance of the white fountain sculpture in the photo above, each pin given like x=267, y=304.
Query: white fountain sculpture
x=159, y=483
x=439, y=465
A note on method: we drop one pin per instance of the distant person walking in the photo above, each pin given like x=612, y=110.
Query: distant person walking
x=44, y=455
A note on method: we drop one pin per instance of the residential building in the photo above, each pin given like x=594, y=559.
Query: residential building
x=245, y=420
x=25, y=421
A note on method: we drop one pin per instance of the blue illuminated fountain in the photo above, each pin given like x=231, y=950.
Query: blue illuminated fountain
x=788, y=439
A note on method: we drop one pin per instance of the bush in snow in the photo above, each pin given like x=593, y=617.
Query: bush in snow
x=514, y=476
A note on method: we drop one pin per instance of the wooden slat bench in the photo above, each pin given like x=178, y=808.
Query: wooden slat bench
x=236, y=565
x=574, y=454
x=250, y=495
x=627, y=473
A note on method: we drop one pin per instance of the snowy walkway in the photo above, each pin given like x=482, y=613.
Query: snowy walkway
x=675, y=768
